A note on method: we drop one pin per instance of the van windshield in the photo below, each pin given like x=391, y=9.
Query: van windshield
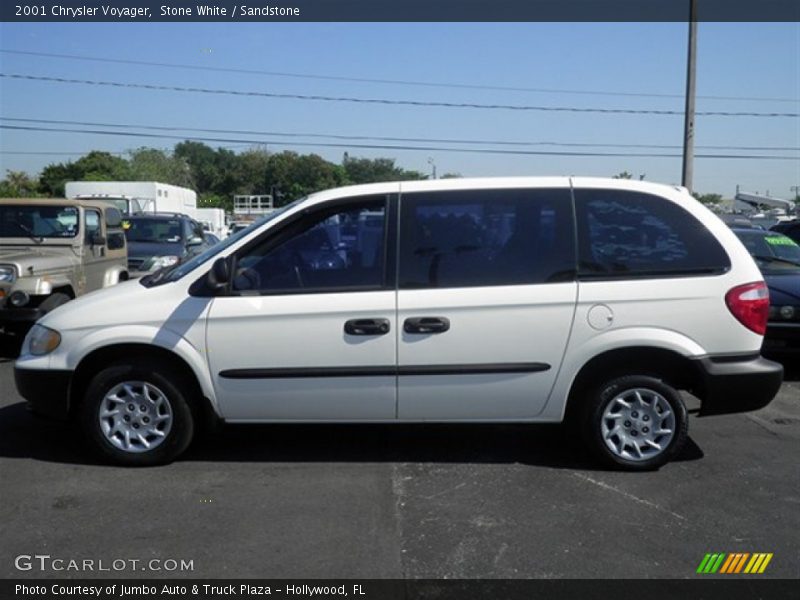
x=178, y=271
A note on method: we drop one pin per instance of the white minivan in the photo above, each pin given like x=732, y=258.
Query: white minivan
x=533, y=300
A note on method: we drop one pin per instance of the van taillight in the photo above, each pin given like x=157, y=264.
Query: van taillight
x=749, y=303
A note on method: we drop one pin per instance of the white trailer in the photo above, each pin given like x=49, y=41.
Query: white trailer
x=213, y=221
x=137, y=196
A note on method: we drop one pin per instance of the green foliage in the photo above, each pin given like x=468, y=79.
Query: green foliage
x=623, y=175
x=209, y=200
x=151, y=164
x=95, y=166
x=709, y=199
x=216, y=174
x=18, y=184
x=251, y=172
x=365, y=170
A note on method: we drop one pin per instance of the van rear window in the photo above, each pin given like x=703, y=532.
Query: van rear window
x=622, y=233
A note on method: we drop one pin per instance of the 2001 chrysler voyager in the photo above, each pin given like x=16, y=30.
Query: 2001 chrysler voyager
x=466, y=300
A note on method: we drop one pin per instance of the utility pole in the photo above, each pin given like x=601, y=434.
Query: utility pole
x=688, y=126
x=433, y=168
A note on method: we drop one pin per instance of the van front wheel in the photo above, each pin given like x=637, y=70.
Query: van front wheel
x=135, y=414
x=637, y=423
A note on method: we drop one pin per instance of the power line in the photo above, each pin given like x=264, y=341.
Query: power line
x=406, y=82
x=384, y=101
x=391, y=139
x=82, y=152
x=393, y=147
x=36, y=153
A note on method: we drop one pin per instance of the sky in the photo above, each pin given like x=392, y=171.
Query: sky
x=588, y=64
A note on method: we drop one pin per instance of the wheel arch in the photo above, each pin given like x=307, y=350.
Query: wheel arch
x=667, y=365
x=66, y=290
x=103, y=356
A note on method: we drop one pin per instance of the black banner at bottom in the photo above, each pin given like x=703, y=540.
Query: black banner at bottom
x=749, y=588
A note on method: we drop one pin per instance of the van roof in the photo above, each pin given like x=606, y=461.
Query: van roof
x=476, y=183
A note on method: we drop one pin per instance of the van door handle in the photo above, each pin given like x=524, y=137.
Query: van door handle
x=426, y=325
x=367, y=327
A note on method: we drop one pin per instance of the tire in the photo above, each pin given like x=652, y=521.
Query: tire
x=53, y=301
x=148, y=418
x=625, y=437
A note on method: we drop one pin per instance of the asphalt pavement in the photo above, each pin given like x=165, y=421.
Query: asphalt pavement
x=430, y=501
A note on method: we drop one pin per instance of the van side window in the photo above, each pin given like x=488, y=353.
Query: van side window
x=335, y=249
x=636, y=234
x=92, y=224
x=486, y=238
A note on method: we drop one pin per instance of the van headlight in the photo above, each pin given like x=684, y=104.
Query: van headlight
x=8, y=274
x=42, y=340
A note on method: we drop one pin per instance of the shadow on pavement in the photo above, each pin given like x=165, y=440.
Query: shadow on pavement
x=23, y=435
x=9, y=348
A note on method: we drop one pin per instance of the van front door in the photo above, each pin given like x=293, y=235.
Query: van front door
x=486, y=300
x=308, y=330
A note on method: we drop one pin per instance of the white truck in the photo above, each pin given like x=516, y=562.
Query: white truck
x=132, y=197
x=212, y=220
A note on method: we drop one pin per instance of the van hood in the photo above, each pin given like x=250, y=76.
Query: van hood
x=127, y=303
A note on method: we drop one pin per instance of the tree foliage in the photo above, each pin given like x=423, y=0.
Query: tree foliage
x=216, y=174
x=18, y=184
x=151, y=164
x=365, y=170
x=710, y=199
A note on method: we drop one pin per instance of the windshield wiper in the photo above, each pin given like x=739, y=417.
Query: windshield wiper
x=773, y=259
x=31, y=234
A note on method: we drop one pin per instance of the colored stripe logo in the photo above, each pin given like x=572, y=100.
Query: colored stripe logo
x=735, y=562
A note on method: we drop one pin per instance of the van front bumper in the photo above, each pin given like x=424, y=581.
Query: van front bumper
x=47, y=391
x=737, y=384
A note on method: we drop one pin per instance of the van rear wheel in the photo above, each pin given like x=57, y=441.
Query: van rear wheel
x=136, y=414
x=636, y=423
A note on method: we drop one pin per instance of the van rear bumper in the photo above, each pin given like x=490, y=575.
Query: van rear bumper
x=733, y=384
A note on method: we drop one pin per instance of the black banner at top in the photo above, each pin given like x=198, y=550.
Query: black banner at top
x=395, y=10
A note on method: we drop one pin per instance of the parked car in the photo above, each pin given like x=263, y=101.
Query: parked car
x=591, y=301
x=789, y=229
x=160, y=240
x=778, y=257
x=54, y=250
x=738, y=221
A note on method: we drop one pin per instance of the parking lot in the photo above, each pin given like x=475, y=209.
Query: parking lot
x=407, y=501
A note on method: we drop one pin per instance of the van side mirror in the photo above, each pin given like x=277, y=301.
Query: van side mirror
x=195, y=241
x=220, y=274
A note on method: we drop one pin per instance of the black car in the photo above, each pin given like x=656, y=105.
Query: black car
x=789, y=229
x=158, y=240
x=778, y=257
